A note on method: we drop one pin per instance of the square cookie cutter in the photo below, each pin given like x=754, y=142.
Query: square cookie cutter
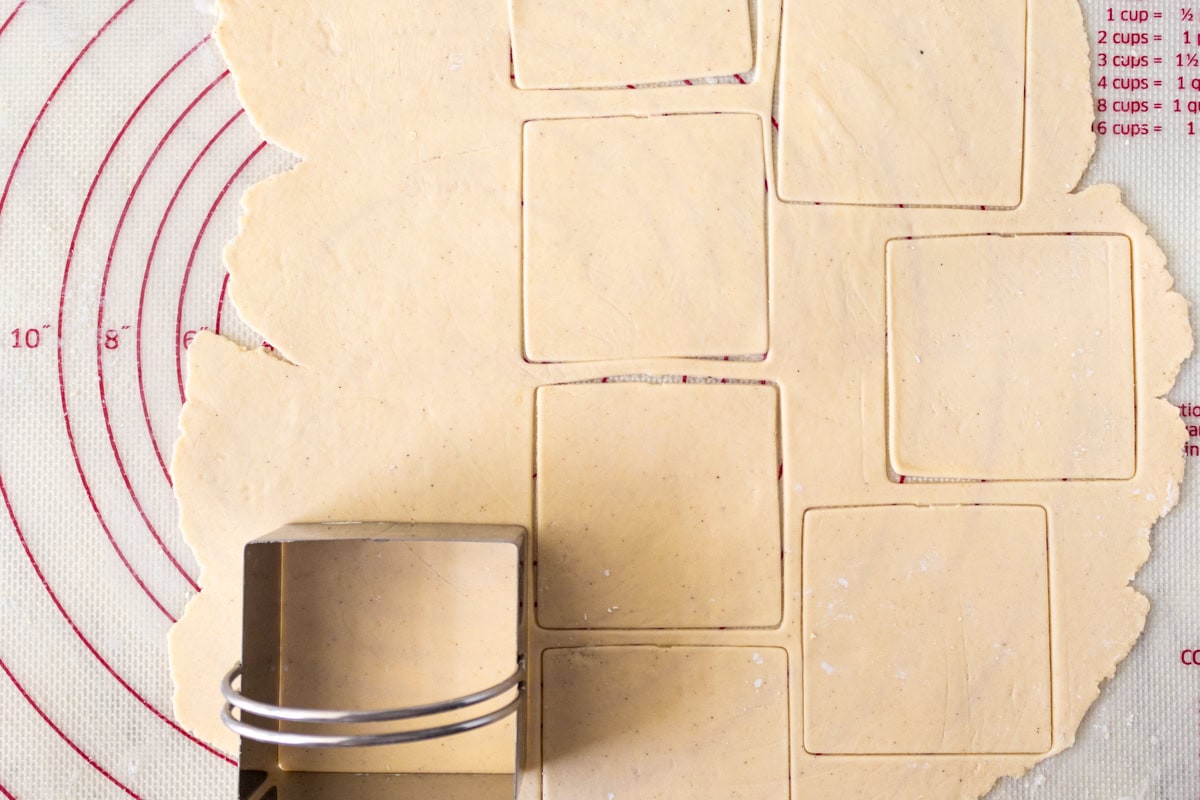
x=268, y=728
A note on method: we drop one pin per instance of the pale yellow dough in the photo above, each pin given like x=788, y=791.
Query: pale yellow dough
x=390, y=270
x=363, y=627
x=648, y=722
x=559, y=44
x=908, y=101
x=939, y=615
x=657, y=506
x=663, y=255
x=991, y=339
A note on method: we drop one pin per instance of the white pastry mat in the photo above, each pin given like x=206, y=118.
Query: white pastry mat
x=123, y=154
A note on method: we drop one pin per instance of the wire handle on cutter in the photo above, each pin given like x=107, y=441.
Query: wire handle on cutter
x=312, y=716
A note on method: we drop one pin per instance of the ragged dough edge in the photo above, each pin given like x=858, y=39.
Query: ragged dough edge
x=1068, y=122
x=229, y=13
x=1099, y=613
x=228, y=42
x=220, y=602
x=253, y=315
x=248, y=415
x=1163, y=333
x=208, y=351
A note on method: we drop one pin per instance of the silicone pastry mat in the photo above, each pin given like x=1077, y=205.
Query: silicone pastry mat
x=123, y=152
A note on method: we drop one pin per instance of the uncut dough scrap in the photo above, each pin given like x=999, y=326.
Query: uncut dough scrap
x=387, y=269
x=577, y=43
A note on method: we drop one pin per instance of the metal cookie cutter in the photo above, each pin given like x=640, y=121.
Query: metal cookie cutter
x=339, y=615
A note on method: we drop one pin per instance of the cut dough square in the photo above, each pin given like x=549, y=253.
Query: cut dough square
x=940, y=616
x=685, y=723
x=913, y=101
x=560, y=44
x=658, y=506
x=645, y=237
x=385, y=624
x=1011, y=357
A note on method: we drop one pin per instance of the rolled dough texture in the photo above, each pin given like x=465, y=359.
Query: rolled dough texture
x=390, y=271
x=559, y=44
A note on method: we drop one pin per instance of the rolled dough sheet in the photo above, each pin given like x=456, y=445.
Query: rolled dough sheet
x=390, y=271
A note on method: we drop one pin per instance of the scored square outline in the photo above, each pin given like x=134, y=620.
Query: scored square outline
x=897, y=478
x=768, y=245
x=748, y=77
x=777, y=151
x=535, y=533
x=801, y=729
x=788, y=705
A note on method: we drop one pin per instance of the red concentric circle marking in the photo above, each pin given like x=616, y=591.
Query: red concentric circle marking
x=62, y=396
x=145, y=282
x=221, y=302
x=99, y=324
x=62, y=298
x=7, y=502
x=53, y=94
x=79, y=750
x=154, y=247
x=137, y=184
x=12, y=515
x=61, y=308
x=187, y=272
x=4, y=26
